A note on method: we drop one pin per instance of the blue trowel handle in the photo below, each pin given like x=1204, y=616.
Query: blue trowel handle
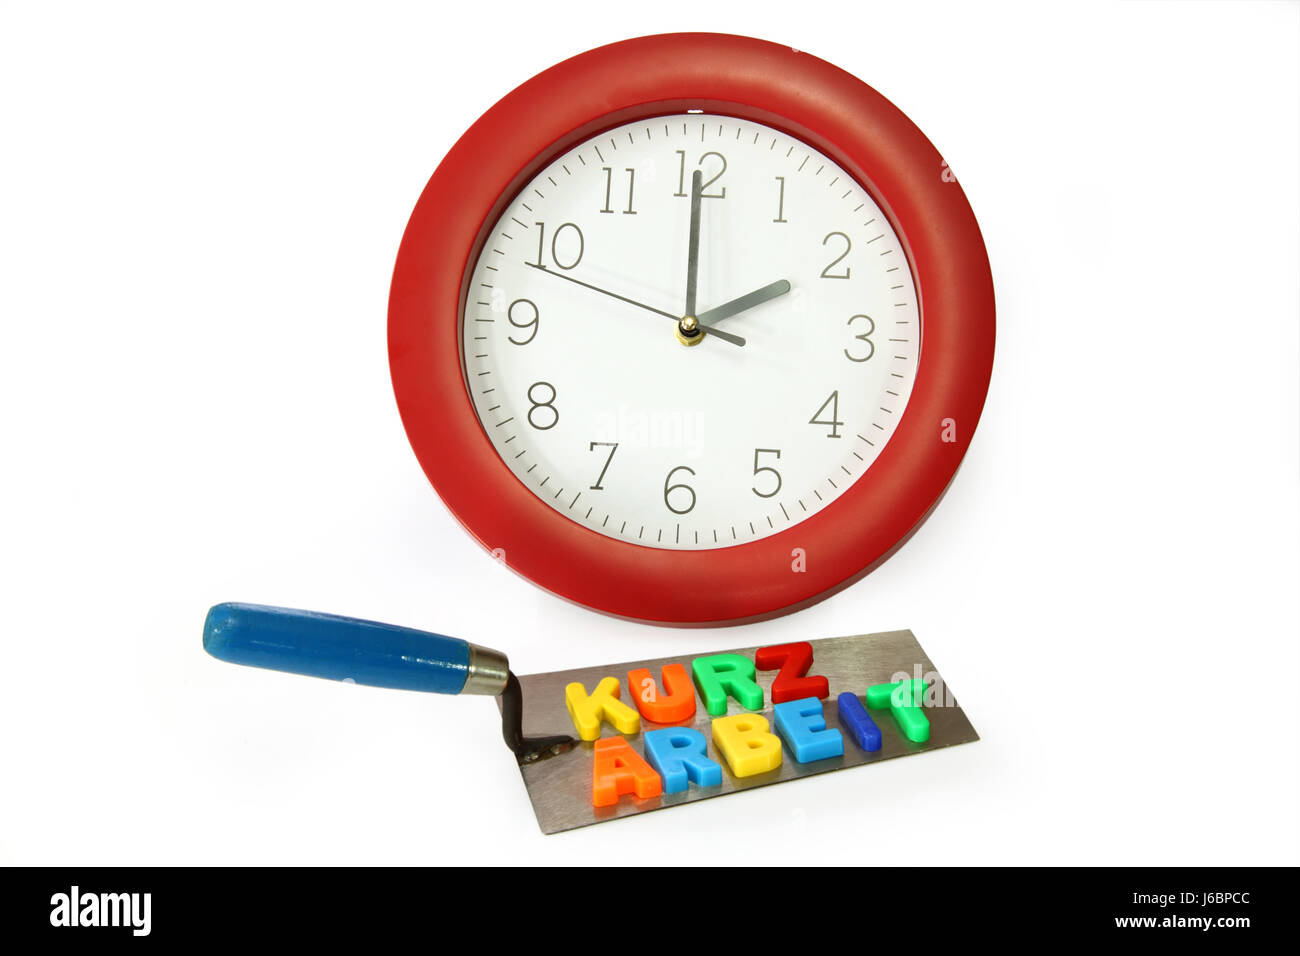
x=344, y=648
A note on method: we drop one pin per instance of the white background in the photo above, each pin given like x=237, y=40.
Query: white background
x=199, y=209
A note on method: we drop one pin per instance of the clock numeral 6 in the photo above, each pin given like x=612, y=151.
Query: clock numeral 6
x=704, y=192
x=562, y=245
x=768, y=468
x=848, y=244
x=833, y=402
x=551, y=412
x=669, y=488
x=863, y=337
x=526, y=306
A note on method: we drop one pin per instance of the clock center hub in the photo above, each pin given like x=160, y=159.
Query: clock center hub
x=689, y=331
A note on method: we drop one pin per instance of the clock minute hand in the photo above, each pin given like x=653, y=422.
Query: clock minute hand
x=725, y=336
x=746, y=301
x=693, y=244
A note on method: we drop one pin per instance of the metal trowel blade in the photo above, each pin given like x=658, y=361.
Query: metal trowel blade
x=560, y=788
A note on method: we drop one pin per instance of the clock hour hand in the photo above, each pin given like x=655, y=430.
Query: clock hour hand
x=725, y=336
x=746, y=301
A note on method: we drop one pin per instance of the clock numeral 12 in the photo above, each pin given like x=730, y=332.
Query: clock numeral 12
x=704, y=191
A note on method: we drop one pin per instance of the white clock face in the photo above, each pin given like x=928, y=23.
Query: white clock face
x=601, y=400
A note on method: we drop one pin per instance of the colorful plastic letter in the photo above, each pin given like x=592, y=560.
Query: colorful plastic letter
x=678, y=753
x=746, y=744
x=618, y=769
x=859, y=723
x=721, y=674
x=675, y=705
x=794, y=661
x=603, y=704
x=802, y=726
x=903, y=699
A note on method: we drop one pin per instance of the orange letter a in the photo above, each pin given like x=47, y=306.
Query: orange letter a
x=618, y=769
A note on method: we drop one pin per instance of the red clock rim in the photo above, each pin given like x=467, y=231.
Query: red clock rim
x=748, y=79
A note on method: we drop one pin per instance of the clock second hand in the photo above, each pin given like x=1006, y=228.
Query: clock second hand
x=725, y=336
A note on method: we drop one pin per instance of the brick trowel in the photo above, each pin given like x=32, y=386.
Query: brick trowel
x=653, y=734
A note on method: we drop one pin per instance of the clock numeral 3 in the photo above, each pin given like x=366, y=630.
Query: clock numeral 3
x=863, y=337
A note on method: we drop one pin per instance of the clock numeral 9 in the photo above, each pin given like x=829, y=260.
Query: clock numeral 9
x=767, y=468
x=527, y=305
x=551, y=412
x=863, y=337
x=669, y=488
x=833, y=402
x=559, y=246
x=704, y=192
x=848, y=244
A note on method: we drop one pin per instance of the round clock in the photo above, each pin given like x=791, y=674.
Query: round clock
x=691, y=329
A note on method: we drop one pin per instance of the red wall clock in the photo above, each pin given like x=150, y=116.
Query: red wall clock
x=691, y=329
